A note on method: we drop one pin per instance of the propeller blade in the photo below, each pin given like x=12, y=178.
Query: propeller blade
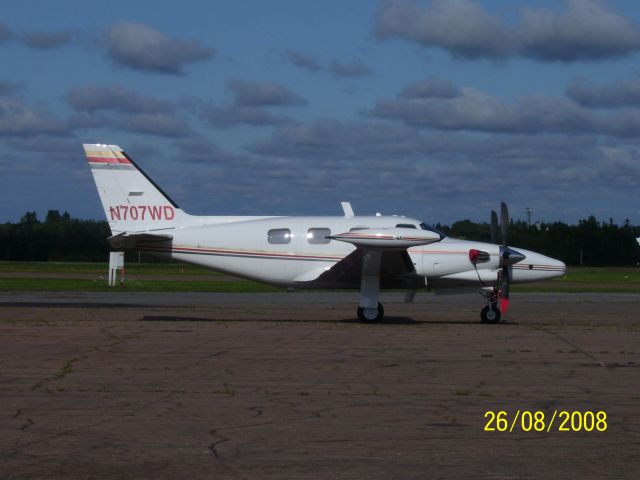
x=494, y=227
x=504, y=222
x=505, y=280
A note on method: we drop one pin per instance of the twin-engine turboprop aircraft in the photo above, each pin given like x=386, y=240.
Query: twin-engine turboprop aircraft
x=365, y=252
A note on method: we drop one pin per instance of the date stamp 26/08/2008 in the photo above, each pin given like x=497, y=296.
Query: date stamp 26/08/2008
x=539, y=421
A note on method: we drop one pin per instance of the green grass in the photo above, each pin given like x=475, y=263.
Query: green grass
x=630, y=275
x=75, y=285
x=577, y=279
x=589, y=280
x=102, y=268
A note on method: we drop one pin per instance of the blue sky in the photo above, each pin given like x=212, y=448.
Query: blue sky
x=433, y=109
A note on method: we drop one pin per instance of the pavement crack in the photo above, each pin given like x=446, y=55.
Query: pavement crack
x=214, y=446
x=27, y=424
x=560, y=337
x=257, y=410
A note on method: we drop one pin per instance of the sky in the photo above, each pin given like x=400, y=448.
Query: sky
x=435, y=109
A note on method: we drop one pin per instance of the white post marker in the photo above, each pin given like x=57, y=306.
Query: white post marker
x=116, y=262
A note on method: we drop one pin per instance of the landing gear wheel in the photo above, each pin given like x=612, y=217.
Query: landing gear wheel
x=490, y=314
x=371, y=315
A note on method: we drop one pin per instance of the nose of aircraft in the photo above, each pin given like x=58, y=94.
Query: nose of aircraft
x=539, y=267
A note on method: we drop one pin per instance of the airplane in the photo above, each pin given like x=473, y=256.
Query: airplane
x=333, y=252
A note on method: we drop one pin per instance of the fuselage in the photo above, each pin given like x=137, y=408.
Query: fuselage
x=294, y=251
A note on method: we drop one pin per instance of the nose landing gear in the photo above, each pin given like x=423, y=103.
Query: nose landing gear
x=491, y=313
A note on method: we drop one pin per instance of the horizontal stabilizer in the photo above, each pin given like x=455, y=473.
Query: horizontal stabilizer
x=387, y=238
x=125, y=241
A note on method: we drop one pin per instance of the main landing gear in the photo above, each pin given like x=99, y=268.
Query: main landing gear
x=490, y=313
x=370, y=309
x=371, y=315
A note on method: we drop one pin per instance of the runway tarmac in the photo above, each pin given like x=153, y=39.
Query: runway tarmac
x=289, y=385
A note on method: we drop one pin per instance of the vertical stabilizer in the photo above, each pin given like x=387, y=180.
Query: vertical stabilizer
x=132, y=202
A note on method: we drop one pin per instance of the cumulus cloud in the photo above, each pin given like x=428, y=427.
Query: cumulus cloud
x=144, y=48
x=355, y=68
x=231, y=115
x=7, y=88
x=331, y=139
x=262, y=94
x=460, y=26
x=5, y=33
x=155, y=124
x=582, y=30
x=311, y=63
x=250, y=105
x=18, y=119
x=585, y=31
x=197, y=149
x=303, y=60
x=470, y=109
x=46, y=40
x=430, y=87
x=92, y=98
x=621, y=94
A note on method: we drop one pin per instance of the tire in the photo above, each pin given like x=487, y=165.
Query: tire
x=362, y=317
x=490, y=315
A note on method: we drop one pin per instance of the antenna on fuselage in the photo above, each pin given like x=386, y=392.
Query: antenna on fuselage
x=347, y=209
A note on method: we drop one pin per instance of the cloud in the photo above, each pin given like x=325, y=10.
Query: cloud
x=249, y=105
x=468, y=109
x=430, y=87
x=5, y=33
x=17, y=119
x=622, y=94
x=302, y=60
x=143, y=48
x=155, y=124
x=331, y=139
x=231, y=115
x=355, y=68
x=160, y=124
x=92, y=98
x=311, y=63
x=45, y=40
x=196, y=149
x=460, y=26
x=256, y=94
x=583, y=30
x=7, y=88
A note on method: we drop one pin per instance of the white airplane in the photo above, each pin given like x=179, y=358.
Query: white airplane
x=365, y=252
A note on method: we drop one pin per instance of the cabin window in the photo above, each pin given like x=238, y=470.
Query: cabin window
x=405, y=225
x=279, y=235
x=318, y=235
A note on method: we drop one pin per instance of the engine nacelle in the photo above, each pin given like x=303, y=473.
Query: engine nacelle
x=398, y=237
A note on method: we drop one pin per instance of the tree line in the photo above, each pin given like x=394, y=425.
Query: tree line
x=591, y=242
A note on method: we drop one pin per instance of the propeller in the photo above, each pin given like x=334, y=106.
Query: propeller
x=508, y=256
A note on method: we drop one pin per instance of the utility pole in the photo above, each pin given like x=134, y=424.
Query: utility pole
x=529, y=211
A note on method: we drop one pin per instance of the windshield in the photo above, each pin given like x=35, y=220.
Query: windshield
x=424, y=226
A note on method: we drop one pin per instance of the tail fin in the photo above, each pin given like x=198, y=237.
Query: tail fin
x=132, y=202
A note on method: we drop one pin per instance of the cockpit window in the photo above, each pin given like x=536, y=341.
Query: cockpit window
x=424, y=226
x=405, y=225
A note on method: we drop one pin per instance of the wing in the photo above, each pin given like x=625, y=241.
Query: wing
x=395, y=267
x=396, y=270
